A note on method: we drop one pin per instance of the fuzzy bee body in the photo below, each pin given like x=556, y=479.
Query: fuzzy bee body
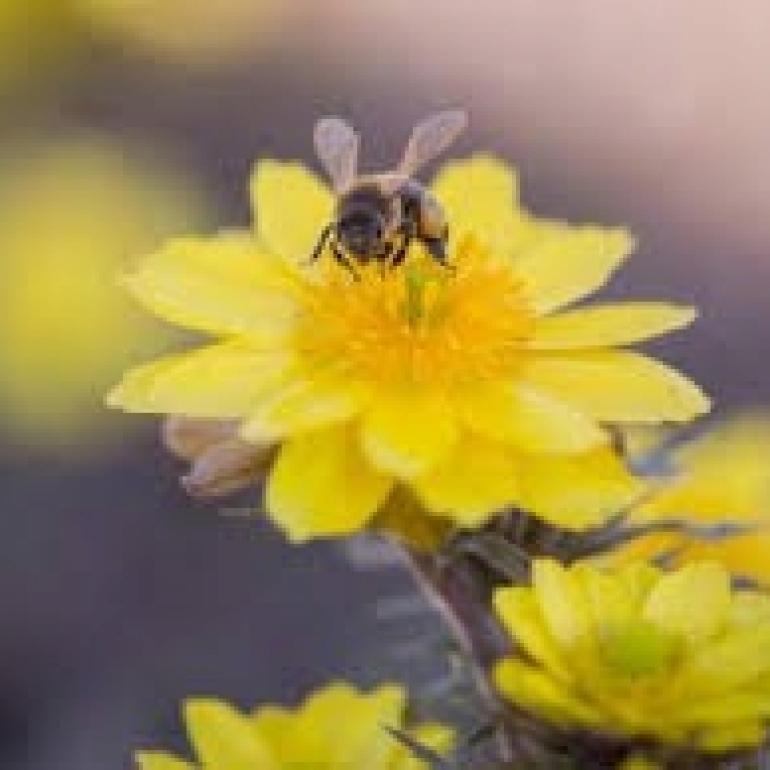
x=378, y=216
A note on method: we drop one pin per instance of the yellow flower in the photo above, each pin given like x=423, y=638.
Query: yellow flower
x=67, y=330
x=722, y=475
x=639, y=763
x=35, y=35
x=190, y=32
x=680, y=657
x=337, y=728
x=474, y=387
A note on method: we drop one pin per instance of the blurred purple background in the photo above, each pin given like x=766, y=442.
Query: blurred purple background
x=124, y=121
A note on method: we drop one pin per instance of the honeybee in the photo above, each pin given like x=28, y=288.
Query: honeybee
x=377, y=216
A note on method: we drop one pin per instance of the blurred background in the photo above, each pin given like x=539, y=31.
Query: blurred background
x=122, y=121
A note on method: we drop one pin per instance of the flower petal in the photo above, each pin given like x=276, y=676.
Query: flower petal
x=303, y=404
x=523, y=619
x=366, y=743
x=692, y=602
x=431, y=735
x=607, y=325
x=322, y=485
x=728, y=735
x=223, y=737
x=406, y=434
x=563, y=604
x=476, y=479
x=532, y=421
x=292, y=207
x=576, y=492
x=480, y=196
x=618, y=386
x=568, y=263
x=731, y=661
x=220, y=381
x=536, y=691
x=220, y=285
x=159, y=760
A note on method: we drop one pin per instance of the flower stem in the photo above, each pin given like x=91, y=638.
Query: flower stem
x=463, y=603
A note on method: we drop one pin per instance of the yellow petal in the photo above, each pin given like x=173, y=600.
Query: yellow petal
x=618, y=386
x=480, y=196
x=608, y=325
x=365, y=742
x=276, y=726
x=692, y=602
x=312, y=734
x=561, y=600
x=223, y=737
x=322, y=485
x=537, y=692
x=576, y=492
x=524, y=621
x=158, y=760
x=732, y=735
x=724, y=707
x=732, y=661
x=406, y=434
x=610, y=601
x=532, y=421
x=431, y=735
x=478, y=478
x=292, y=207
x=639, y=762
x=569, y=263
x=219, y=381
x=303, y=404
x=220, y=285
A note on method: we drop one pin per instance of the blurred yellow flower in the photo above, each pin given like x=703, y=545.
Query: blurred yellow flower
x=474, y=387
x=639, y=763
x=197, y=32
x=722, y=475
x=679, y=658
x=337, y=728
x=33, y=35
x=70, y=213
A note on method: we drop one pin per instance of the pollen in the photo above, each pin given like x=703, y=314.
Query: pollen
x=420, y=322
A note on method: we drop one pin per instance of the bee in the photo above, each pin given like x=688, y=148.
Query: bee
x=378, y=216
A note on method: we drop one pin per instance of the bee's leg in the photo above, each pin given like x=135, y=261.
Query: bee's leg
x=319, y=247
x=343, y=260
x=408, y=232
x=400, y=254
x=437, y=249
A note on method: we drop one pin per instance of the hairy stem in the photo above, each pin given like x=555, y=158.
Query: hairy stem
x=458, y=594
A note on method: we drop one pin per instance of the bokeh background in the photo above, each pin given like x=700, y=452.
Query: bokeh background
x=122, y=121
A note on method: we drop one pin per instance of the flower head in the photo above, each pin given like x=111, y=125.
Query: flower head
x=679, y=658
x=67, y=330
x=337, y=728
x=721, y=475
x=473, y=387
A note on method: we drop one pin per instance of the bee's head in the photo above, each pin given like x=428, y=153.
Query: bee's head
x=361, y=229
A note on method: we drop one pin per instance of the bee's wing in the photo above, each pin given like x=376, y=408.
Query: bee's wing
x=336, y=144
x=430, y=138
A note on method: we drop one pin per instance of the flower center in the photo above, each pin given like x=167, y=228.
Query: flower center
x=420, y=322
x=637, y=649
